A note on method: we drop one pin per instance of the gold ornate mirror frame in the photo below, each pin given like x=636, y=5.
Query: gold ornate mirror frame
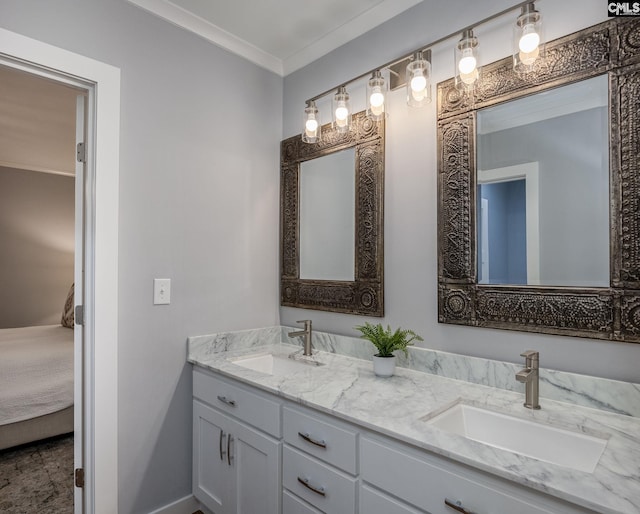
x=613, y=313
x=364, y=295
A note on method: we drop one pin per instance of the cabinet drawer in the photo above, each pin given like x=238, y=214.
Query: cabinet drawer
x=335, y=491
x=252, y=408
x=324, y=439
x=426, y=481
x=375, y=502
x=293, y=505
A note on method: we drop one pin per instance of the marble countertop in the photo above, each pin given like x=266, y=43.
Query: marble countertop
x=397, y=407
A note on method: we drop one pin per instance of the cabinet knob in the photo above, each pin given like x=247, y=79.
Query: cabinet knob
x=456, y=505
x=318, y=490
x=309, y=439
x=226, y=400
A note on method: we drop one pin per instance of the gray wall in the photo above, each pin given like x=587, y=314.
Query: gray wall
x=36, y=246
x=198, y=204
x=411, y=192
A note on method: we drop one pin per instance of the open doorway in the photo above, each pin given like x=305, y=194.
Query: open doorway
x=41, y=228
x=100, y=260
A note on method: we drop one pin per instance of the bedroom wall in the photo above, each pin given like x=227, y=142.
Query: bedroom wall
x=199, y=193
x=37, y=246
x=411, y=185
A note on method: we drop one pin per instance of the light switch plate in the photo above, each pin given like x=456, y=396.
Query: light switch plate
x=161, y=291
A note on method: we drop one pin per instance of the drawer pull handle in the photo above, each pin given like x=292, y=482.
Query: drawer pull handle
x=220, y=445
x=317, y=490
x=226, y=400
x=456, y=505
x=309, y=439
x=229, y=449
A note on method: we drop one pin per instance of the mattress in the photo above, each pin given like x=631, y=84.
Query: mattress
x=36, y=371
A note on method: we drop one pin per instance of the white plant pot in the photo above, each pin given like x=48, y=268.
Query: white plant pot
x=384, y=366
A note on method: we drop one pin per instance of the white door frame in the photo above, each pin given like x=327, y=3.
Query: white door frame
x=101, y=264
x=529, y=172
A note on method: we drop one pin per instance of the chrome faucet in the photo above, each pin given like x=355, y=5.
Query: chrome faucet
x=307, y=335
x=530, y=376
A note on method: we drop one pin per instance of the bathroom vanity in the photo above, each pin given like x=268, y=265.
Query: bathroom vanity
x=275, y=436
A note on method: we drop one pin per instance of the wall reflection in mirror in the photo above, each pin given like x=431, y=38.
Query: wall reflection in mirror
x=543, y=188
x=327, y=217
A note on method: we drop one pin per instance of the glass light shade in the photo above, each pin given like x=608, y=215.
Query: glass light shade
x=418, y=81
x=466, y=61
x=311, y=128
x=341, y=110
x=528, y=44
x=376, y=97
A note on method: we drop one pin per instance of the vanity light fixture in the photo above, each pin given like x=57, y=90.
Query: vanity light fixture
x=414, y=69
x=312, y=127
x=342, y=110
x=528, y=45
x=376, y=97
x=466, y=59
x=419, y=79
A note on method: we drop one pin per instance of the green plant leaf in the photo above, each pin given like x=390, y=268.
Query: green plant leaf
x=386, y=340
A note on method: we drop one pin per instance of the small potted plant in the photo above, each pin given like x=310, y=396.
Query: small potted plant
x=387, y=341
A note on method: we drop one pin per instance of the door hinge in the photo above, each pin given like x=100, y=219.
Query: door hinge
x=79, y=477
x=81, y=152
x=78, y=315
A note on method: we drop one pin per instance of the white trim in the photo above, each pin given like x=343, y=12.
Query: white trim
x=101, y=328
x=529, y=172
x=185, y=505
x=483, y=268
x=212, y=33
x=383, y=11
x=356, y=27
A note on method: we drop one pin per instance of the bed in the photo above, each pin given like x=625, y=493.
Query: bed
x=36, y=383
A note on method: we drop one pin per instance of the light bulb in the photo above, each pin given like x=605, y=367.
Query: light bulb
x=529, y=40
x=377, y=98
x=418, y=83
x=310, y=126
x=468, y=62
x=341, y=113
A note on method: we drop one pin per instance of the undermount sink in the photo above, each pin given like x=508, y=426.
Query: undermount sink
x=275, y=364
x=550, y=444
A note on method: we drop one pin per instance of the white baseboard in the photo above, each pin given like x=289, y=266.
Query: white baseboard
x=186, y=505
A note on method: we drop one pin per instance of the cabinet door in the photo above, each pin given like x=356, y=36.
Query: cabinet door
x=255, y=462
x=213, y=481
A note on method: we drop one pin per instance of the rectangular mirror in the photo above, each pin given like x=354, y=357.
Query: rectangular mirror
x=549, y=241
x=543, y=188
x=331, y=220
x=327, y=216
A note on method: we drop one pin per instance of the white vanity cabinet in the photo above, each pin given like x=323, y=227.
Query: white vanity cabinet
x=254, y=452
x=236, y=466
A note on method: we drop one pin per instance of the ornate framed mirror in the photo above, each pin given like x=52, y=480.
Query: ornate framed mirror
x=331, y=220
x=607, y=308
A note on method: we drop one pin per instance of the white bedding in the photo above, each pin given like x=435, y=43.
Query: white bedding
x=36, y=371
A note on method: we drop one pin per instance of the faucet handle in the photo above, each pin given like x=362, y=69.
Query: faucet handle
x=532, y=358
x=307, y=322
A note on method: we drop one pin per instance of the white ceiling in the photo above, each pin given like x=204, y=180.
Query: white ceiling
x=37, y=123
x=280, y=35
